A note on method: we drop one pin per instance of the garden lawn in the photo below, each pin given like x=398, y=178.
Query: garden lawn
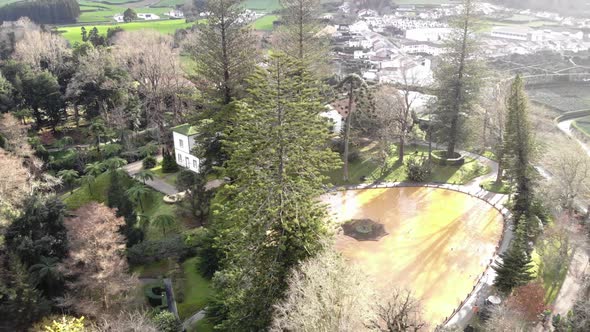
x=152, y=270
x=152, y=202
x=196, y=289
x=368, y=166
x=73, y=33
x=169, y=178
x=552, y=284
x=202, y=326
x=104, y=12
x=492, y=186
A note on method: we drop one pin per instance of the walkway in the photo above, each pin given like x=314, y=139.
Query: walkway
x=566, y=127
x=573, y=283
x=156, y=183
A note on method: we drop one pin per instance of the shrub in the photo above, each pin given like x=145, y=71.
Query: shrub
x=169, y=164
x=151, y=251
x=165, y=321
x=417, y=169
x=149, y=162
x=354, y=156
x=130, y=156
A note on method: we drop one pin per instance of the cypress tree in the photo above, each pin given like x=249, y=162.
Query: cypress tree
x=272, y=219
x=116, y=198
x=516, y=265
x=518, y=147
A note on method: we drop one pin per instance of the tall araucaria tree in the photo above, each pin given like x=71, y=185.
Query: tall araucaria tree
x=278, y=155
x=458, y=78
x=518, y=149
x=299, y=35
x=224, y=48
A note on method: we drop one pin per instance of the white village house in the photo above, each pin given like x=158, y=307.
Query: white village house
x=184, y=142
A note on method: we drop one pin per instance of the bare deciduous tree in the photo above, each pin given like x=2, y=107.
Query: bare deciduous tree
x=398, y=312
x=505, y=319
x=325, y=294
x=571, y=169
x=393, y=118
x=100, y=284
x=150, y=58
x=42, y=50
x=127, y=321
x=494, y=122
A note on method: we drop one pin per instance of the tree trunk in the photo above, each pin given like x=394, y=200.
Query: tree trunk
x=588, y=212
x=430, y=142
x=347, y=132
x=38, y=119
x=401, y=149
x=77, y=115
x=500, y=171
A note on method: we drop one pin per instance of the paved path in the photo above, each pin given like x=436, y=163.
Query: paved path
x=193, y=319
x=566, y=127
x=156, y=183
x=574, y=282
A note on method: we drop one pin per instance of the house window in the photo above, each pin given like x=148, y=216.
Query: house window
x=180, y=143
x=195, y=164
x=179, y=158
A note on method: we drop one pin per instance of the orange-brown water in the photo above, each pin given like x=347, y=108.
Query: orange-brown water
x=439, y=242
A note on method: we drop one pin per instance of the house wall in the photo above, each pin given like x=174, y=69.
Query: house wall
x=187, y=161
x=182, y=155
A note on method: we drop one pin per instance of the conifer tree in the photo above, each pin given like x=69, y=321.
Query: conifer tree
x=458, y=78
x=516, y=265
x=518, y=148
x=278, y=152
x=299, y=36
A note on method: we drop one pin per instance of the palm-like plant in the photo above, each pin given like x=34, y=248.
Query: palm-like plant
x=98, y=130
x=88, y=180
x=145, y=175
x=94, y=169
x=113, y=164
x=69, y=176
x=163, y=222
x=136, y=193
x=149, y=149
x=46, y=272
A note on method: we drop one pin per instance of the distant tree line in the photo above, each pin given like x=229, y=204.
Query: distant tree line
x=42, y=11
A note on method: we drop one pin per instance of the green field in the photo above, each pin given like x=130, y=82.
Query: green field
x=102, y=12
x=265, y=23
x=583, y=125
x=73, y=33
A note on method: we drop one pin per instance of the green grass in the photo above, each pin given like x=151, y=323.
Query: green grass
x=551, y=285
x=268, y=5
x=202, y=326
x=152, y=202
x=492, y=186
x=152, y=270
x=103, y=12
x=265, y=23
x=583, y=125
x=368, y=166
x=73, y=33
x=195, y=287
x=169, y=178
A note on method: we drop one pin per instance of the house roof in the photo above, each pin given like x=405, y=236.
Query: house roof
x=185, y=129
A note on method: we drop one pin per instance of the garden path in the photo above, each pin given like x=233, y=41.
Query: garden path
x=156, y=183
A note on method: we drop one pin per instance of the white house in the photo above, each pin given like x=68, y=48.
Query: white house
x=428, y=34
x=335, y=118
x=184, y=142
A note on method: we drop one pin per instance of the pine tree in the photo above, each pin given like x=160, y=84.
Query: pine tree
x=458, y=78
x=518, y=148
x=169, y=164
x=516, y=265
x=273, y=220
